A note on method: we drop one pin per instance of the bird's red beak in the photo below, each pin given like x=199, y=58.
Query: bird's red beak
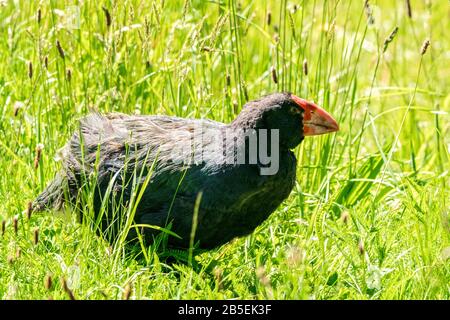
x=315, y=120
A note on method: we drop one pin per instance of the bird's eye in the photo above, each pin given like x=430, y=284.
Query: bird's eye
x=295, y=110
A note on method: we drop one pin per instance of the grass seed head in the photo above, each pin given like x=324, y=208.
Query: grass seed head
x=15, y=224
x=276, y=38
x=60, y=50
x=269, y=18
x=131, y=13
x=292, y=25
x=48, y=282
x=331, y=30
x=185, y=8
x=345, y=216
x=30, y=69
x=3, y=227
x=389, y=39
x=46, y=62
x=127, y=291
x=17, y=107
x=274, y=74
x=67, y=289
x=244, y=90
x=39, y=16
x=29, y=209
x=425, y=46
x=69, y=75
x=218, y=275
x=408, y=9
x=361, y=247
x=36, y=236
x=305, y=67
x=369, y=13
x=107, y=16
x=146, y=26
x=38, y=156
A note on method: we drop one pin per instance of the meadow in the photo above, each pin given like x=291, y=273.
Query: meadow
x=369, y=217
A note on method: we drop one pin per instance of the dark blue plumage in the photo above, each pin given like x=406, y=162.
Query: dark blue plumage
x=235, y=197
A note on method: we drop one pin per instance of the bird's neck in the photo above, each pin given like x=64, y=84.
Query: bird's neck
x=248, y=119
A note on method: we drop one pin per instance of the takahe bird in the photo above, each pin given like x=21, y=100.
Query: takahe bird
x=138, y=160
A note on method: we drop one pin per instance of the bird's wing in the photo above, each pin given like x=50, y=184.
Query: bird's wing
x=117, y=143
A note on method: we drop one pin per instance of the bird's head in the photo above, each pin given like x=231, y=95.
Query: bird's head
x=294, y=117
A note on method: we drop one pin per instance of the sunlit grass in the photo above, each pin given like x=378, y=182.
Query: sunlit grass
x=369, y=216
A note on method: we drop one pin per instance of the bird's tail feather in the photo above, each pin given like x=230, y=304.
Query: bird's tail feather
x=53, y=195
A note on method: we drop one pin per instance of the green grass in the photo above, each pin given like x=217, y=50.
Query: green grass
x=369, y=217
